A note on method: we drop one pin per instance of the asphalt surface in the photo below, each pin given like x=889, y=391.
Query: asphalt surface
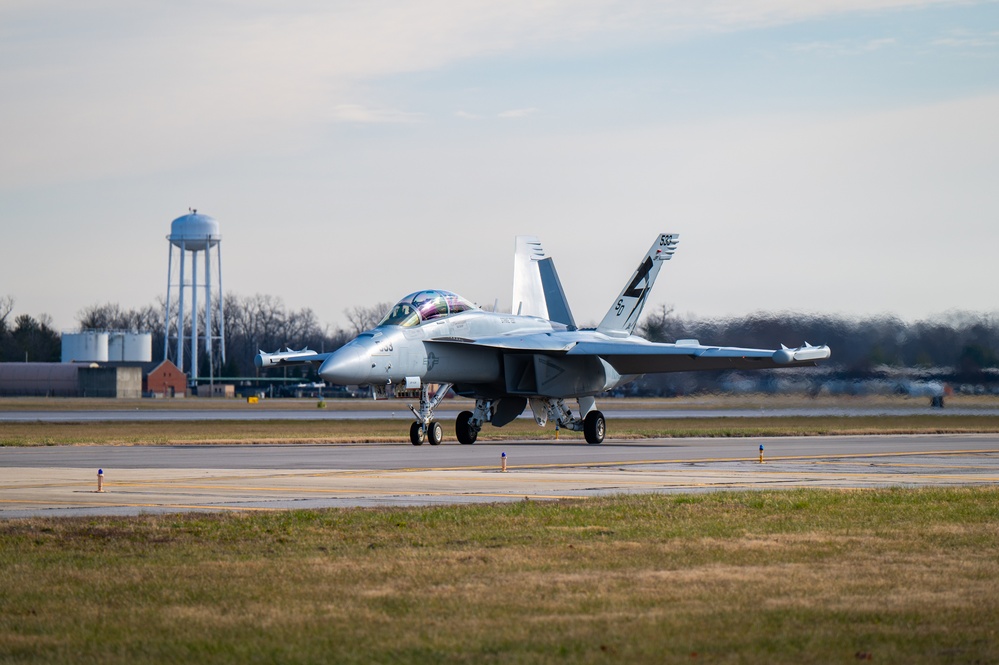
x=62, y=480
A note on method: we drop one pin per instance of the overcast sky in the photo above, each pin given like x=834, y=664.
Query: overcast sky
x=830, y=157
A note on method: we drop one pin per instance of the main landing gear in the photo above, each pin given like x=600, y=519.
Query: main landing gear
x=594, y=427
x=593, y=424
x=468, y=424
x=425, y=426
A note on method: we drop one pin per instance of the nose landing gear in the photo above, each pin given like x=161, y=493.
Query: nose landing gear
x=433, y=433
x=425, y=426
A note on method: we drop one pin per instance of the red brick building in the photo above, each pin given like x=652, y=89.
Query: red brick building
x=165, y=380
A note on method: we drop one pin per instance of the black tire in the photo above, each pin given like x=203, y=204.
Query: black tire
x=594, y=427
x=435, y=433
x=416, y=434
x=463, y=429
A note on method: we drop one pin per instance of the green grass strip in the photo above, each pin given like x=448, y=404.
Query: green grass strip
x=800, y=576
x=383, y=430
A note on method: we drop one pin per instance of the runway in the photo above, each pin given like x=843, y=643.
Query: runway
x=61, y=480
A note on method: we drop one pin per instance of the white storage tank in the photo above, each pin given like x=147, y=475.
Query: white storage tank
x=89, y=346
x=130, y=347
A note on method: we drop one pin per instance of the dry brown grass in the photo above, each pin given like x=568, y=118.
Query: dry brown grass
x=374, y=431
x=786, y=577
x=707, y=402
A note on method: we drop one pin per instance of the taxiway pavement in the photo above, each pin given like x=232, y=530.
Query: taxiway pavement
x=61, y=480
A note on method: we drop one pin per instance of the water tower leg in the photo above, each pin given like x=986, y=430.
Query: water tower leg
x=166, y=316
x=221, y=304
x=180, y=311
x=194, y=318
x=208, y=316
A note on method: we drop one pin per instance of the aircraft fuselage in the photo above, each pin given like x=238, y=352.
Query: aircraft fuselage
x=391, y=353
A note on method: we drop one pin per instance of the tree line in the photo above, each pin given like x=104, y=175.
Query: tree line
x=958, y=346
x=249, y=324
x=26, y=339
x=965, y=342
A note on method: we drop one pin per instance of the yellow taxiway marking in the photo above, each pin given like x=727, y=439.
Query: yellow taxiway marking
x=898, y=465
x=126, y=504
x=224, y=506
x=672, y=479
x=702, y=460
x=310, y=490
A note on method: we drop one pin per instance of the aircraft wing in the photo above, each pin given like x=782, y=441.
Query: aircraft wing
x=532, y=343
x=630, y=357
x=636, y=356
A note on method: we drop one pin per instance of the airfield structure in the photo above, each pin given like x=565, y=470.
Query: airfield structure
x=195, y=234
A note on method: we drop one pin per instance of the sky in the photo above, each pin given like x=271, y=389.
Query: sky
x=830, y=157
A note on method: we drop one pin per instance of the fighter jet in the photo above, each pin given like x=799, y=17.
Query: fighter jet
x=534, y=356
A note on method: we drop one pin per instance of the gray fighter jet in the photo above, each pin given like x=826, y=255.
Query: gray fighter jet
x=535, y=356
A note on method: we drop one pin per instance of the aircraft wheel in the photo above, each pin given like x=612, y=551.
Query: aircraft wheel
x=594, y=427
x=463, y=430
x=416, y=434
x=435, y=433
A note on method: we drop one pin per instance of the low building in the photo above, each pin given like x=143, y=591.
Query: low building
x=69, y=380
x=165, y=380
x=39, y=379
x=216, y=390
x=116, y=382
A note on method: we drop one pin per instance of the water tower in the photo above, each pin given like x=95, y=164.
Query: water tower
x=195, y=234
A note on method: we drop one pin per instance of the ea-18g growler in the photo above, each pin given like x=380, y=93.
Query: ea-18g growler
x=535, y=357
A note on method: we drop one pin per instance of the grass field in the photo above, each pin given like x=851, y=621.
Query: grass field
x=374, y=431
x=900, y=576
x=800, y=576
x=934, y=421
x=705, y=402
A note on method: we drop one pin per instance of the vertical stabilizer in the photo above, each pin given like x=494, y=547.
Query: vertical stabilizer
x=537, y=290
x=528, y=295
x=623, y=315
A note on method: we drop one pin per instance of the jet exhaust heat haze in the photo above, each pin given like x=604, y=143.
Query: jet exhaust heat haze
x=535, y=357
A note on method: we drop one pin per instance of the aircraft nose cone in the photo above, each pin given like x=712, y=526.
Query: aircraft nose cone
x=347, y=366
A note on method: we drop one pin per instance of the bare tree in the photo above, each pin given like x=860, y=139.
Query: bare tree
x=100, y=317
x=6, y=307
x=365, y=318
x=262, y=322
x=659, y=325
x=111, y=316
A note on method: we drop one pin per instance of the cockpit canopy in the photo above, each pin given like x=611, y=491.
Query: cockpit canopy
x=422, y=306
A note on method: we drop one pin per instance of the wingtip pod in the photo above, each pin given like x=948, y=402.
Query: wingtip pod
x=263, y=359
x=804, y=353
